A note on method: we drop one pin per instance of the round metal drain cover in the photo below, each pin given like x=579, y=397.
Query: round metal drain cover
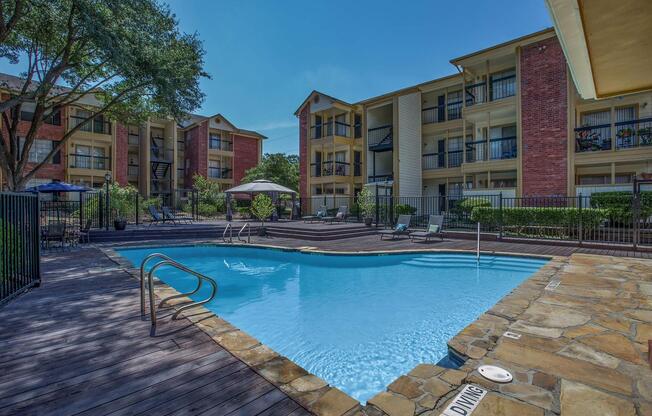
x=497, y=374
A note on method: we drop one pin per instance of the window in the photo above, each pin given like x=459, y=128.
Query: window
x=625, y=177
x=503, y=84
x=99, y=159
x=39, y=150
x=214, y=140
x=625, y=114
x=596, y=118
x=82, y=157
x=214, y=170
x=594, y=179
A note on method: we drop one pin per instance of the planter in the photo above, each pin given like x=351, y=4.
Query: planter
x=367, y=221
x=120, y=225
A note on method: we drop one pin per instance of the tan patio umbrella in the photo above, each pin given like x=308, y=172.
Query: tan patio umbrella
x=257, y=187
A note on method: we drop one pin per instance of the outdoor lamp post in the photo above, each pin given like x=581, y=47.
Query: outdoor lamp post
x=107, y=182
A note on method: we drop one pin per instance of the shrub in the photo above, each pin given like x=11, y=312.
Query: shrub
x=366, y=206
x=210, y=200
x=466, y=205
x=262, y=207
x=559, y=221
x=618, y=204
x=404, y=209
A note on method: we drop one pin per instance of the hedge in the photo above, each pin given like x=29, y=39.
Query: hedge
x=466, y=205
x=553, y=218
x=619, y=204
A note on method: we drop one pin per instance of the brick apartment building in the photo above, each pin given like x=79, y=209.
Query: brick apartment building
x=509, y=121
x=156, y=157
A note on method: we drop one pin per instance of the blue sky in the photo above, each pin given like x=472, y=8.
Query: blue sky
x=266, y=56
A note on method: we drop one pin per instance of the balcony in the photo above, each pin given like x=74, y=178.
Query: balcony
x=499, y=88
x=441, y=160
x=330, y=168
x=380, y=138
x=440, y=113
x=593, y=138
x=133, y=170
x=133, y=139
x=97, y=125
x=220, y=173
x=380, y=178
x=326, y=130
x=635, y=133
x=216, y=143
x=499, y=149
x=79, y=161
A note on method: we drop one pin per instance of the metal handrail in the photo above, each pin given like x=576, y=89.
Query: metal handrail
x=228, y=227
x=167, y=261
x=248, y=235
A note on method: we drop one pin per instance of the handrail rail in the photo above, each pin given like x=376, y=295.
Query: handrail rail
x=228, y=227
x=248, y=235
x=167, y=261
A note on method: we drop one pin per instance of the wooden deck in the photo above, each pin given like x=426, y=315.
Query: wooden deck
x=77, y=345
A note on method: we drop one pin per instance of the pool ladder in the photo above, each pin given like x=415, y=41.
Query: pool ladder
x=167, y=261
x=229, y=228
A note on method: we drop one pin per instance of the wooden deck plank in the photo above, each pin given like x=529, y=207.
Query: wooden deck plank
x=284, y=407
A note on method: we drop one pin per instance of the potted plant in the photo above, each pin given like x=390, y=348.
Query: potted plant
x=119, y=221
x=366, y=206
x=261, y=208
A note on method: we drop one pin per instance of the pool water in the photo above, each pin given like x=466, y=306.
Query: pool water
x=358, y=322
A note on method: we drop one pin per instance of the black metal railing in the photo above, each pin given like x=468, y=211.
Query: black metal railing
x=476, y=93
x=333, y=128
x=332, y=168
x=220, y=173
x=433, y=161
x=436, y=114
x=502, y=148
x=503, y=87
x=454, y=110
x=593, y=138
x=455, y=158
x=634, y=133
x=97, y=125
x=476, y=151
x=19, y=249
x=380, y=136
x=79, y=161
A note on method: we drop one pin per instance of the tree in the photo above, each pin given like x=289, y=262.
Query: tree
x=276, y=167
x=262, y=207
x=126, y=59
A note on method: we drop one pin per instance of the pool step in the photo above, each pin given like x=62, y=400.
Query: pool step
x=327, y=233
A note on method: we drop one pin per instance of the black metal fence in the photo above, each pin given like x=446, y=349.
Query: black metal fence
x=19, y=236
x=610, y=217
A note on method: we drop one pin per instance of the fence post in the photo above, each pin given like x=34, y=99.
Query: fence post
x=137, y=196
x=377, y=206
x=81, y=211
x=636, y=218
x=100, y=209
x=580, y=227
x=500, y=216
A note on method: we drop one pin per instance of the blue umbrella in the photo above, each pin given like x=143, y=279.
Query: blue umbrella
x=53, y=187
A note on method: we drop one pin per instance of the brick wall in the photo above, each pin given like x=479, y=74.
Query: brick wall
x=245, y=156
x=196, y=149
x=121, y=154
x=304, y=158
x=544, y=119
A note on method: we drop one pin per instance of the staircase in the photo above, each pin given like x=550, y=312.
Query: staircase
x=324, y=233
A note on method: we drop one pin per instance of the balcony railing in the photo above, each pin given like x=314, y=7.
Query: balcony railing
x=593, y=138
x=220, y=173
x=97, y=125
x=441, y=160
x=79, y=161
x=133, y=139
x=380, y=137
x=499, y=149
x=440, y=113
x=455, y=158
x=633, y=133
x=220, y=144
x=380, y=178
x=133, y=170
x=330, y=168
x=499, y=88
x=326, y=129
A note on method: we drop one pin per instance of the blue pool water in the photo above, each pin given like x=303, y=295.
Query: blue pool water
x=358, y=322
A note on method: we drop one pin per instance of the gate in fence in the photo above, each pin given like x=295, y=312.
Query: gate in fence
x=19, y=236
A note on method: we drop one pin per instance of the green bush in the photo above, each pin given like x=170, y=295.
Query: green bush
x=467, y=205
x=540, y=221
x=404, y=209
x=618, y=204
x=211, y=201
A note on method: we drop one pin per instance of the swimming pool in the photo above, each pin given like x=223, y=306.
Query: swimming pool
x=358, y=322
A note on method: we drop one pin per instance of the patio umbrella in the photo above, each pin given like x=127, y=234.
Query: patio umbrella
x=54, y=187
x=255, y=187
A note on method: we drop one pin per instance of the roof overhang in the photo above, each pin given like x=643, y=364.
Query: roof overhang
x=606, y=44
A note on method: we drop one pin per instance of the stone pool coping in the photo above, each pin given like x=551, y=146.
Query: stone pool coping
x=427, y=388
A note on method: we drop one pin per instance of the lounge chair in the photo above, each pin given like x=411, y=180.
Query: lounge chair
x=319, y=215
x=85, y=233
x=435, y=228
x=155, y=217
x=170, y=216
x=402, y=227
x=342, y=212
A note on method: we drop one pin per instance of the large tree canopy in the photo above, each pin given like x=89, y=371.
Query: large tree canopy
x=127, y=57
x=276, y=167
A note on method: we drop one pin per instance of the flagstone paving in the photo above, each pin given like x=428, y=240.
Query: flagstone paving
x=582, y=349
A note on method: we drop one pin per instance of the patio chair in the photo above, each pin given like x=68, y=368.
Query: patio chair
x=55, y=232
x=155, y=217
x=435, y=228
x=85, y=233
x=342, y=212
x=319, y=215
x=170, y=216
x=402, y=226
